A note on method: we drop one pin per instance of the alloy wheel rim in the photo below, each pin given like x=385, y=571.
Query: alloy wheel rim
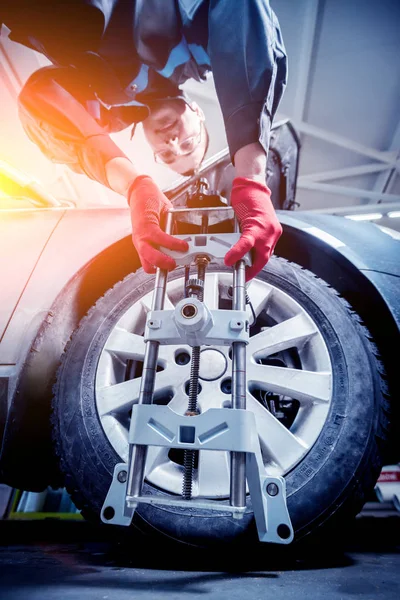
x=287, y=359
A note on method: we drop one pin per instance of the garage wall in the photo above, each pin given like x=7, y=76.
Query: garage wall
x=343, y=96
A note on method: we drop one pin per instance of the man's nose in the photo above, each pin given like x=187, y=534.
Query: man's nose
x=173, y=142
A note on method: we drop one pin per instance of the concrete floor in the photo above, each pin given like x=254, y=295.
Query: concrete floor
x=76, y=561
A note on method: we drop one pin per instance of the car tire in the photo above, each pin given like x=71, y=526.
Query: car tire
x=330, y=483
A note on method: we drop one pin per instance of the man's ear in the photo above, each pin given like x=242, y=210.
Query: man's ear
x=196, y=108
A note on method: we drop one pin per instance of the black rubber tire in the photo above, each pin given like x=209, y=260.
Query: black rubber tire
x=335, y=476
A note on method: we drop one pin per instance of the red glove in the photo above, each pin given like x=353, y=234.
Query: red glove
x=260, y=227
x=149, y=207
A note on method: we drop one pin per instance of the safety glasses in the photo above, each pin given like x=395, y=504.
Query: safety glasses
x=187, y=146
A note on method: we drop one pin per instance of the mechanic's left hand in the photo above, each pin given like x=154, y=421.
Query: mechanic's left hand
x=259, y=224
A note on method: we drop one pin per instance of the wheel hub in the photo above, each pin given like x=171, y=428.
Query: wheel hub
x=213, y=364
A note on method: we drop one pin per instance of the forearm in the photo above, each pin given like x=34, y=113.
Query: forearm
x=66, y=133
x=251, y=162
x=250, y=90
x=120, y=173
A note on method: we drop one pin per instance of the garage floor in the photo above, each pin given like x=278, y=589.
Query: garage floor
x=74, y=561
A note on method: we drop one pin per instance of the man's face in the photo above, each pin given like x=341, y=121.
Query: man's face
x=176, y=134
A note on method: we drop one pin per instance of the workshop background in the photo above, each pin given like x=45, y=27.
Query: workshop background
x=342, y=96
x=343, y=99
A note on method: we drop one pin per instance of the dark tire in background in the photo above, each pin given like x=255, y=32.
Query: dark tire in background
x=331, y=481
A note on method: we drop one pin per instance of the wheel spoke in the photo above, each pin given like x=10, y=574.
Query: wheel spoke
x=211, y=397
x=179, y=403
x=283, y=447
x=118, y=397
x=121, y=396
x=147, y=300
x=305, y=386
x=166, y=358
x=125, y=344
x=260, y=294
x=211, y=291
x=156, y=457
x=213, y=473
x=129, y=345
x=291, y=333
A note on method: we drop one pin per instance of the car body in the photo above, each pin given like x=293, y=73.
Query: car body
x=58, y=260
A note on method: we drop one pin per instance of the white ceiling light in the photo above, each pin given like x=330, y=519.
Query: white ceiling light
x=394, y=214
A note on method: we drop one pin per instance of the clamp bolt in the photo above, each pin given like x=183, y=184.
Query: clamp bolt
x=192, y=413
x=272, y=489
x=122, y=476
x=202, y=259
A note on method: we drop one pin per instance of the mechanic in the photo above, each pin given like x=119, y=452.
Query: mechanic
x=117, y=63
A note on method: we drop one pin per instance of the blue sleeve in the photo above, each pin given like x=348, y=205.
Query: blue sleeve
x=248, y=60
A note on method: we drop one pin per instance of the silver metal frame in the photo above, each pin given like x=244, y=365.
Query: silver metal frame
x=226, y=429
x=219, y=429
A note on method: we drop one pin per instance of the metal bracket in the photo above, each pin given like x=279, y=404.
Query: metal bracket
x=220, y=327
x=214, y=245
x=115, y=510
x=231, y=430
x=216, y=429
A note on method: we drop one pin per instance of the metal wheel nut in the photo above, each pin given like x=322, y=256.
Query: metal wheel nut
x=272, y=489
x=122, y=476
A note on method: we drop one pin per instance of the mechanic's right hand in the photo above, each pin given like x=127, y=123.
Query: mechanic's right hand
x=149, y=207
